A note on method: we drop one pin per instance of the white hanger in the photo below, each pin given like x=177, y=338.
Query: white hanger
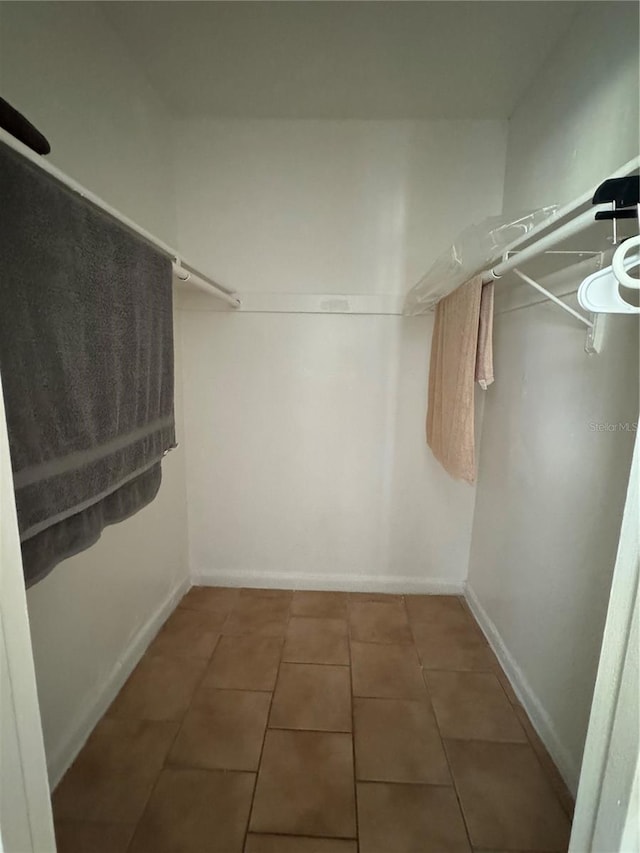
x=619, y=266
x=600, y=291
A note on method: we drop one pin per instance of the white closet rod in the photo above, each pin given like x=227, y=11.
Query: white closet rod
x=181, y=272
x=571, y=207
x=574, y=226
x=186, y=274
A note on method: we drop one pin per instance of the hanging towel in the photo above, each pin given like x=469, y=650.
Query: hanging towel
x=484, y=355
x=86, y=354
x=454, y=357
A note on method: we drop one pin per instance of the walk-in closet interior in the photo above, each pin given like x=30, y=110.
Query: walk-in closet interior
x=376, y=656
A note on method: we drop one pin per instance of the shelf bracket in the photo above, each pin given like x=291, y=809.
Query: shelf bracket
x=594, y=323
x=595, y=335
x=528, y=280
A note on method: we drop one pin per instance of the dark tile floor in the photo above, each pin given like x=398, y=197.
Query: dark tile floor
x=270, y=721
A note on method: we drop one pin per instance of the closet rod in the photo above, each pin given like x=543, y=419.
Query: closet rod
x=182, y=273
x=186, y=274
x=574, y=226
x=574, y=205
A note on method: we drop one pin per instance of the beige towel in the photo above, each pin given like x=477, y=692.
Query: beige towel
x=455, y=361
x=484, y=355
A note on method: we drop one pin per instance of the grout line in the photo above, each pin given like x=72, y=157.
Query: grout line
x=312, y=837
x=462, y=671
x=419, y=700
x=352, y=699
x=407, y=784
x=313, y=731
x=453, y=779
x=175, y=737
x=407, y=643
x=325, y=617
x=442, y=743
x=313, y=663
x=310, y=662
x=266, y=728
x=237, y=689
x=488, y=740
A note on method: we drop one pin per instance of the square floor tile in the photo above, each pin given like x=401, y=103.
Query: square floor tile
x=312, y=640
x=159, y=688
x=305, y=785
x=321, y=604
x=113, y=775
x=188, y=633
x=386, y=671
x=214, y=599
x=312, y=696
x=297, y=844
x=409, y=819
x=85, y=837
x=379, y=622
x=244, y=663
x=454, y=644
x=192, y=811
x=507, y=801
x=223, y=729
x=426, y=608
x=262, y=613
x=397, y=740
x=472, y=706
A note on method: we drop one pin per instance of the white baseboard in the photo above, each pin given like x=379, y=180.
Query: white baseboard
x=331, y=582
x=536, y=712
x=96, y=704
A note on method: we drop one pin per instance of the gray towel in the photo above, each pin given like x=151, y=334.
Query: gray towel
x=86, y=355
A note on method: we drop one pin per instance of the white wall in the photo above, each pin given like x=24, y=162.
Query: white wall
x=551, y=489
x=61, y=65
x=579, y=119
x=306, y=457
x=331, y=206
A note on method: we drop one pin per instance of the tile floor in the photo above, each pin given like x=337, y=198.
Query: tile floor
x=270, y=721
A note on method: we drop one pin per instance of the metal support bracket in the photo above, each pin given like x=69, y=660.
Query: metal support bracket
x=595, y=334
x=593, y=323
x=528, y=280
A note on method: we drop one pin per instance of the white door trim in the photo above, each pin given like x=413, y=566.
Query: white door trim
x=607, y=811
x=25, y=810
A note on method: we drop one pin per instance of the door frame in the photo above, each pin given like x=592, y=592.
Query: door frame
x=26, y=823
x=607, y=812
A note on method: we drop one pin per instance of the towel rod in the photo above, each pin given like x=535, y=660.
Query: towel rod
x=200, y=280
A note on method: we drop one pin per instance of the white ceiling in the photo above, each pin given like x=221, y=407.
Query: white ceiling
x=341, y=59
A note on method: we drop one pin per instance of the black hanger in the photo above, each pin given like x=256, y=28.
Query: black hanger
x=623, y=193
